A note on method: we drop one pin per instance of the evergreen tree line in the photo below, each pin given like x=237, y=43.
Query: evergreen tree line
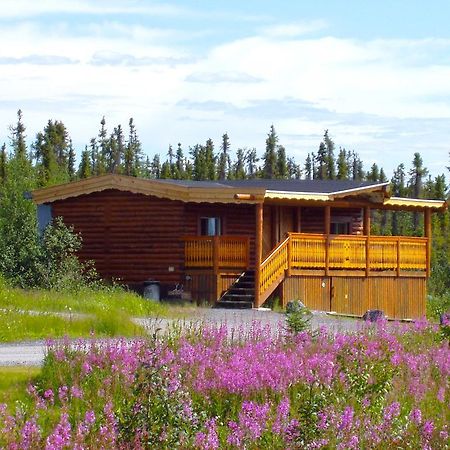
x=51, y=159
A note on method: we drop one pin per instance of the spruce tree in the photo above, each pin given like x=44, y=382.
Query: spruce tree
x=294, y=170
x=251, y=160
x=415, y=185
x=342, y=165
x=18, y=138
x=321, y=163
x=223, y=163
x=270, y=155
x=282, y=169
x=104, y=157
x=309, y=171
x=155, y=167
x=180, y=163
x=84, y=171
x=210, y=160
x=374, y=173
x=71, y=161
x=239, y=165
x=330, y=162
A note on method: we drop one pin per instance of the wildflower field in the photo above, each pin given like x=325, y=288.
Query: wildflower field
x=385, y=386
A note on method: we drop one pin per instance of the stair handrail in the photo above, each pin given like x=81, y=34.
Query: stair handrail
x=272, y=270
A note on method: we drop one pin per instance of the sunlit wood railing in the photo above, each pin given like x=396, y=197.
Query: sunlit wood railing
x=334, y=253
x=339, y=252
x=274, y=267
x=216, y=252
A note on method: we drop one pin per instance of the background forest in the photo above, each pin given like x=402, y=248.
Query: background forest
x=51, y=159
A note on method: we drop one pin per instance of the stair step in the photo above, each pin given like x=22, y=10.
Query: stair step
x=241, y=289
x=234, y=304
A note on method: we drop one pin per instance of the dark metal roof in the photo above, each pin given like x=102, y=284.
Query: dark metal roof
x=316, y=186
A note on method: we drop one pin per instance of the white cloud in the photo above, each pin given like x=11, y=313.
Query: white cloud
x=29, y=8
x=292, y=30
x=360, y=90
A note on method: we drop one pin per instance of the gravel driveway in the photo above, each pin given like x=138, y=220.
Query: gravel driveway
x=32, y=353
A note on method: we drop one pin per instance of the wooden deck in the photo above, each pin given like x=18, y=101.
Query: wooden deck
x=307, y=254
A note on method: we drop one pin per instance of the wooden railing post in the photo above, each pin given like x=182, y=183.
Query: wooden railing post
x=215, y=254
x=289, y=255
x=258, y=251
x=366, y=228
x=327, y=233
x=428, y=232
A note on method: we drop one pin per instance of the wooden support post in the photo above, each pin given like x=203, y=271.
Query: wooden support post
x=298, y=219
x=327, y=233
x=366, y=230
x=258, y=251
x=428, y=233
x=216, y=254
x=398, y=256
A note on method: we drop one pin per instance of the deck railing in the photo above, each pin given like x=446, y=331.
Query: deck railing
x=375, y=253
x=274, y=266
x=336, y=254
x=216, y=252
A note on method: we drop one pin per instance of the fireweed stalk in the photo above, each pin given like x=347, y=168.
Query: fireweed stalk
x=208, y=388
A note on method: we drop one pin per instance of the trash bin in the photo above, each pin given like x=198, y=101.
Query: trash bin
x=152, y=290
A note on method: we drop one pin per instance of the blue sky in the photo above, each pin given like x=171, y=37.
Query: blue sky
x=375, y=73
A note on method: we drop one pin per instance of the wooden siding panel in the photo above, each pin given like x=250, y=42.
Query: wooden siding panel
x=314, y=292
x=398, y=298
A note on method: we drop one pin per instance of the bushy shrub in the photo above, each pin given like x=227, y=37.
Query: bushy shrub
x=58, y=266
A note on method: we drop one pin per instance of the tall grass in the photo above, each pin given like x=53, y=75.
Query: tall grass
x=40, y=314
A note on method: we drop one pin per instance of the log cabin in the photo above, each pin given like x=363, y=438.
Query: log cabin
x=238, y=242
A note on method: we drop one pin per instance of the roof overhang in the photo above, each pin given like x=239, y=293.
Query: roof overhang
x=414, y=204
x=171, y=191
x=375, y=195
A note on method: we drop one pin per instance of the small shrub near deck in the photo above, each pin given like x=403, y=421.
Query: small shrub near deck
x=382, y=387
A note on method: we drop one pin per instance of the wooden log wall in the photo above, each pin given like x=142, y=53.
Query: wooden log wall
x=134, y=237
x=313, y=219
x=399, y=298
x=131, y=237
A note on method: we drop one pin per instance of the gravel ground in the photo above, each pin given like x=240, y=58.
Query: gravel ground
x=32, y=353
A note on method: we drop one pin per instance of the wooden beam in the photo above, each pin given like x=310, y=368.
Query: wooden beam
x=258, y=251
x=366, y=228
x=298, y=219
x=327, y=229
x=428, y=233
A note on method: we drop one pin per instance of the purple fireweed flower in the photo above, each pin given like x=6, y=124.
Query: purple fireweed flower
x=62, y=393
x=392, y=411
x=76, y=392
x=281, y=419
x=61, y=435
x=416, y=416
x=30, y=434
x=49, y=396
x=427, y=429
x=346, y=421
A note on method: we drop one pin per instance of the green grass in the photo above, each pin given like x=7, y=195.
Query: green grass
x=26, y=314
x=14, y=381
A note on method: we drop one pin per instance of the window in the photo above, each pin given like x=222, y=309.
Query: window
x=210, y=226
x=340, y=228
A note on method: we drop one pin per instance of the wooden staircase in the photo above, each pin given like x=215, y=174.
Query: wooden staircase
x=241, y=294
